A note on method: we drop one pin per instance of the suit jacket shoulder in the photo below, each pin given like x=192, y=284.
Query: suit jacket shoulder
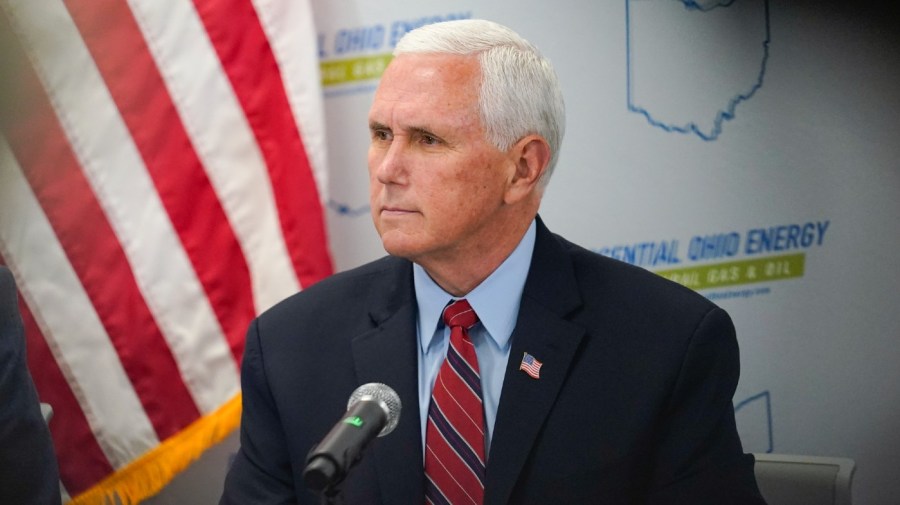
x=345, y=291
x=28, y=467
x=631, y=285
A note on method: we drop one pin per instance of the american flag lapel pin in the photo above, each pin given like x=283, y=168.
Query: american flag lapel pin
x=531, y=366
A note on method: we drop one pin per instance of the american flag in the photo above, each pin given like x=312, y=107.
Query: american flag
x=161, y=182
x=531, y=366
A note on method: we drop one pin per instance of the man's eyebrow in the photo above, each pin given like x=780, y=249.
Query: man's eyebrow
x=412, y=130
x=421, y=130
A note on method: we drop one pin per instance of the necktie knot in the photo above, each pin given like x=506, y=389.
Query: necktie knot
x=460, y=313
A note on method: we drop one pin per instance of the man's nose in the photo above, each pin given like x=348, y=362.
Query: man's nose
x=391, y=168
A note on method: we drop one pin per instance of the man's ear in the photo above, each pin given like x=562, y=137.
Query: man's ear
x=531, y=155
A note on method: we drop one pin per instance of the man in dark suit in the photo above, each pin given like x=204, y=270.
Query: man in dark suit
x=28, y=468
x=631, y=398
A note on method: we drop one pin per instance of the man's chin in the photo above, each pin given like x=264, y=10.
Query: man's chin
x=400, y=245
x=400, y=252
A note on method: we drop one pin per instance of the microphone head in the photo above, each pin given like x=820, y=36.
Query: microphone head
x=385, y=397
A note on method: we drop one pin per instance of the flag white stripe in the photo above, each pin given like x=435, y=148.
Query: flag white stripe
x=223, y=139
x=68, y=320
x=126, y=193
x=289, y=27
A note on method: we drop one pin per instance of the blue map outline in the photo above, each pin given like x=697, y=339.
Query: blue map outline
x=768, y=399
x=723, y=115
x=346, y=210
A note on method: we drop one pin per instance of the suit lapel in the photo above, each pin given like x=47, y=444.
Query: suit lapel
x=551, y=292
x=387, y=354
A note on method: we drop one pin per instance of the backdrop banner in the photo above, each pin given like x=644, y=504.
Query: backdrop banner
x=746, y=149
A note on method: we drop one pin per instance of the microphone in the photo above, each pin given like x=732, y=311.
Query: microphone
x=373, y=410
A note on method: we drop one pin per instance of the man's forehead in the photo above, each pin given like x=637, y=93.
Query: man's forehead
x=421, y=88
x=431, y=73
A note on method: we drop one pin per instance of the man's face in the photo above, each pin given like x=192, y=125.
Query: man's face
x=436, y=184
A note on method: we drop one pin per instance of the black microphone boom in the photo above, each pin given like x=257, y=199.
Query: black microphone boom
x=373, y=411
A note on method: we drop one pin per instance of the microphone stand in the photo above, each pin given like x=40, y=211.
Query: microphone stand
x=331, y=495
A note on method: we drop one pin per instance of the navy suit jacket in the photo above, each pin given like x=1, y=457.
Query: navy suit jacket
x=633, y=403
x=28, y=468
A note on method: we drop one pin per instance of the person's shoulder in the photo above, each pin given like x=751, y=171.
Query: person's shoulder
x=7, y=286
x=602, y=274
x=347, y=288
x=9, y=309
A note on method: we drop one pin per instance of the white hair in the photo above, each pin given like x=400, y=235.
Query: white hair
x=519, y=94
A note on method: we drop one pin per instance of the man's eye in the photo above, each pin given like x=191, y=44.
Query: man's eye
x=381, y=135
x=430, y=140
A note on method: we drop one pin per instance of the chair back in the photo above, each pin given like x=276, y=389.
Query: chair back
x=788, y=479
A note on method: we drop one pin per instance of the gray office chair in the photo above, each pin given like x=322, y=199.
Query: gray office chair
x=787, y=479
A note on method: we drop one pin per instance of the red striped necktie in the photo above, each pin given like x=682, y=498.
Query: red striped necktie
x=454, y=437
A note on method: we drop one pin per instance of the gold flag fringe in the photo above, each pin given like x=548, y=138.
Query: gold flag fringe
x=150, y=473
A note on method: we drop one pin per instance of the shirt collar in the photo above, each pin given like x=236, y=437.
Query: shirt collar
x=496, y=300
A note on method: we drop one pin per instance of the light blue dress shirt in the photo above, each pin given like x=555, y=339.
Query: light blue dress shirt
x=496, y=301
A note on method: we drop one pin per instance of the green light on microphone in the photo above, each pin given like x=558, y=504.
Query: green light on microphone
x=354, y=421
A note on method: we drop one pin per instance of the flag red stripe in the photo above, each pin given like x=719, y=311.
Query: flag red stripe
x=82, y=462
x=134, y=81
x=53, y=172
x=243, y=48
